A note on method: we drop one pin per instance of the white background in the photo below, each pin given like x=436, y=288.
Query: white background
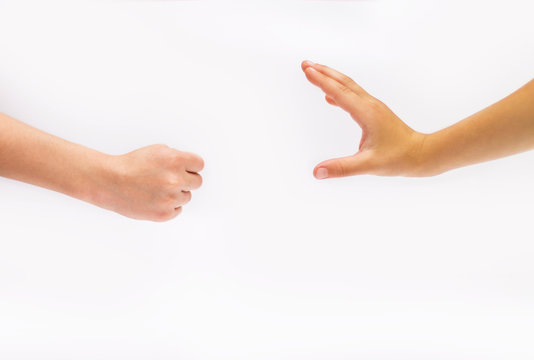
x=267, y=262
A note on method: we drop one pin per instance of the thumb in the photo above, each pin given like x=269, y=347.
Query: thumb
x=358, y=164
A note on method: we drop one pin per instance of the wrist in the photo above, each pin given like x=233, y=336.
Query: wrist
x=101, y=177
x=423, y=164
x=430, y=162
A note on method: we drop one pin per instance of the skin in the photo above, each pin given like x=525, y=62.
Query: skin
x=151, y=183
x=389, y=147
x=154, y=182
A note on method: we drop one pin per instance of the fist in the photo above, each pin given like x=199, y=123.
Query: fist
x=151, y=183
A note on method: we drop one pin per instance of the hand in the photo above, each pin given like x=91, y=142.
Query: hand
x=388, y=146
x=151, y=183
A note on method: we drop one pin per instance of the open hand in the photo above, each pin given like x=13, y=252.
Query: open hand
x=388, y=146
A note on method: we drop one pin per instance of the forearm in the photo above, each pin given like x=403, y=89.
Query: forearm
x=151, y=183
x=35, y=157
x=502, y=129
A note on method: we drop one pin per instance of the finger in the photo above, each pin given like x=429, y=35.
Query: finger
x=166, y=215
x=182, y=198
x=342, y=95
x=358, y=164
x=336, y=75
x=330, y=100
x=193, y=163
x=191, y=181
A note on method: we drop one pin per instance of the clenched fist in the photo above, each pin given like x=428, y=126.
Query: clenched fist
x=151, y=183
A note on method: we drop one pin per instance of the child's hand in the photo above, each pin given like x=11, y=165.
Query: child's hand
x=387, y=147
x=152, y=183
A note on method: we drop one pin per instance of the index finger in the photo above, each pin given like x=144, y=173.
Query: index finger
x=343, y=95
x=336, y=75
x=193, y=163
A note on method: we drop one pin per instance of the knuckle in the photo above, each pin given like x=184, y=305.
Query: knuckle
x=342, y=169
x=172, y=180
x=171, y=198
x=337, y=169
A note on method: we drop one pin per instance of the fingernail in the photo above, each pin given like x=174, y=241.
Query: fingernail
x=322, y=173
x=308, y=62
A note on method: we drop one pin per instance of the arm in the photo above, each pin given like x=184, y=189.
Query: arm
x=389, y=147
x=502, y=129
x=150, y=183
